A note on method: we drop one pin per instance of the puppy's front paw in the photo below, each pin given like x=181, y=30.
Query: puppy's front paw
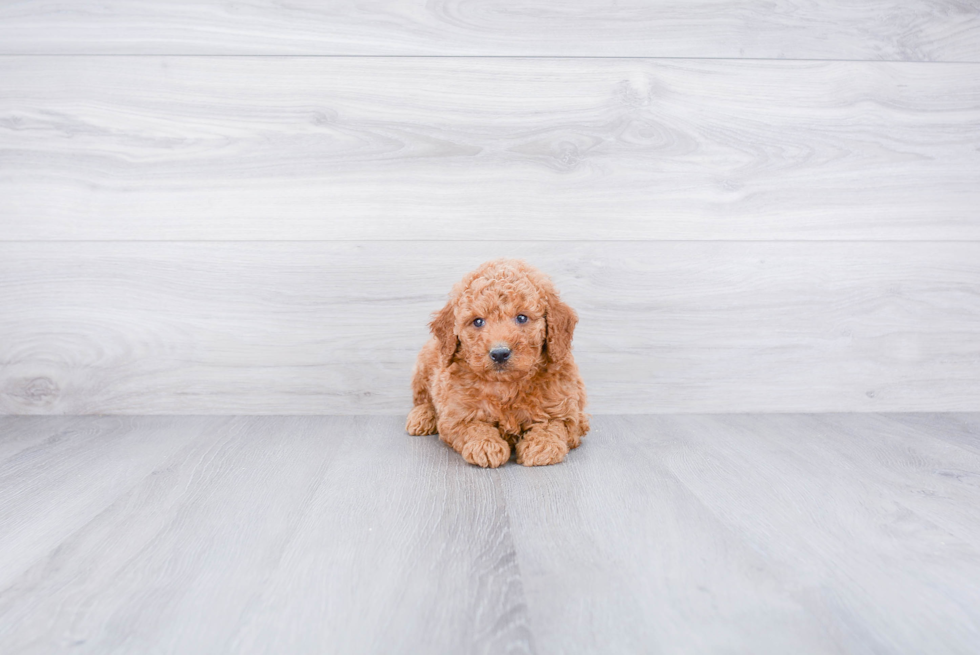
x=421, y=420
x=541, y=450
x=484, y=452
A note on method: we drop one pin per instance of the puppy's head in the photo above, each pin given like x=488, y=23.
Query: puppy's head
x=505, y=320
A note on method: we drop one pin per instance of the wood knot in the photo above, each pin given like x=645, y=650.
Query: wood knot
x=38, y=391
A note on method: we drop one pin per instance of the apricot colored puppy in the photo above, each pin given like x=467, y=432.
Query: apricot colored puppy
x=498, y=372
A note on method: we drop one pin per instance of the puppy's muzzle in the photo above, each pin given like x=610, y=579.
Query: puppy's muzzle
x=499, y=355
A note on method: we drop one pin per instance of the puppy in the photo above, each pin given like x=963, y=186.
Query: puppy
x=498, y=372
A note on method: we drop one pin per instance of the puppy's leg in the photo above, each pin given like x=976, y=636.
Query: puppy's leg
x=478, y=443
x=545, y=443
x=422, y=418
x=577, y=428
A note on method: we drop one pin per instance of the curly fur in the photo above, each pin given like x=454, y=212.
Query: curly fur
x=533, y=403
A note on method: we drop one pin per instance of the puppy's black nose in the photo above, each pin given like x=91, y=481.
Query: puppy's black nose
x=500, y=355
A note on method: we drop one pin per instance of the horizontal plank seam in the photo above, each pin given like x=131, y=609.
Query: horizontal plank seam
x=48, y=417
x=972, y=413
x=515, y=240
x=555, y=57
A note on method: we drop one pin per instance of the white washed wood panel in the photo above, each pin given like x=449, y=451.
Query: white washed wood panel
x=264, y=148
x=919, y=30
x=330, y=328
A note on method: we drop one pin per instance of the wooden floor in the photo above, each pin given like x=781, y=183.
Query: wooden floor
x=833, y=533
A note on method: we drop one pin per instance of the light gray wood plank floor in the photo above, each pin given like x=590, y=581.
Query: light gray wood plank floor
x=837, y=533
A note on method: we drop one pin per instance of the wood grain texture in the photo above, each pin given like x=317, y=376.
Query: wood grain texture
x=266, y=148
x=43, y=480
x=764, y=534
x=270, y=535
x=311, y=328
x=688, y=533
x=918, y=30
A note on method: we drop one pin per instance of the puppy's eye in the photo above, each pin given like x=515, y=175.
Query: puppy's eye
x=521, y=318
x=478, y=322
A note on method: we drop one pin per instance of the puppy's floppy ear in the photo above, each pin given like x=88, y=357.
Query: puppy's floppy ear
x=560, y=320
x=443, y=328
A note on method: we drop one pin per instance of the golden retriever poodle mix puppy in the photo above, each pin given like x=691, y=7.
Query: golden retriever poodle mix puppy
x=498, y=372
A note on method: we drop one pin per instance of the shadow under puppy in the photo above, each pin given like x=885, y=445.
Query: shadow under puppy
x=499, y=373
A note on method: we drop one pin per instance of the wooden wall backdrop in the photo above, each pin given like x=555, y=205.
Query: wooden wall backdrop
x=906, y=30
x=216, y=207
